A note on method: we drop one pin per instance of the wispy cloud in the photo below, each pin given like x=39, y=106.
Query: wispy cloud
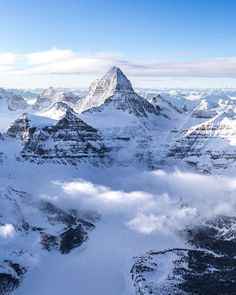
x=57, y=61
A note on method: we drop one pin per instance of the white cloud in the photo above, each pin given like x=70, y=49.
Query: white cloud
x=7, y=58
x=147, y=224
x=61, y=61
x=104, y=198
x=49, y=56
x=7, y=231
x=82, y=187
x=150, y=202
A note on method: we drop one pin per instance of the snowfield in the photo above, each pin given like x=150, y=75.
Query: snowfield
x=117, y=192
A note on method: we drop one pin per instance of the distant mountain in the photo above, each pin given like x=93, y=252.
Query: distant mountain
x=25, y=93
x=12, y=101
x=50, y=96
x=211, y=145
x=204, y=110
x=125, y=119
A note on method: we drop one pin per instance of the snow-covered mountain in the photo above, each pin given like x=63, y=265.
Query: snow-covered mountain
x=204, y=110
x=125, y=119
x=68, y=140
x=12, y=101
x=115, y=90
x=164, y=130
x=50, y=96
x=33, y=226
x=67, y=156
x=56, y=110
x=209, y=146
x=11, y=106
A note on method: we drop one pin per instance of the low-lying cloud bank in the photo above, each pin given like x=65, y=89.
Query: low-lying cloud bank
x=57, y=61
x=151, y=202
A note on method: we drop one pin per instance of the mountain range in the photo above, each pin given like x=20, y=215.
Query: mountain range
x=112, y=126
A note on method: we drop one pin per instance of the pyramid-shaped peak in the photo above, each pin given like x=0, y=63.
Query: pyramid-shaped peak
x=115, y=70
x=113, y=85
x=114, y=81
x=116, y=78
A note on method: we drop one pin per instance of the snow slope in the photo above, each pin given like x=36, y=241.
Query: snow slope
x=85, y=207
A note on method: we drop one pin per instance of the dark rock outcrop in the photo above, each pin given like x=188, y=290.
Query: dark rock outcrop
x=37, y=223
x=68, y=140
x=207, y=268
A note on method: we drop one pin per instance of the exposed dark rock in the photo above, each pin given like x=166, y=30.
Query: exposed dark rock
x=208, y=268
x=45, y=225
x=67, y=141
x=72, y=238
x=8, y=283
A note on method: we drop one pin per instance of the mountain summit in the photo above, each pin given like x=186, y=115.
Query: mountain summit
x=114, y=89
x=116, y=80
x=113, y=81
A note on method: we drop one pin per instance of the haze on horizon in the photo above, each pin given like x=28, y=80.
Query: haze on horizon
x=169, y=43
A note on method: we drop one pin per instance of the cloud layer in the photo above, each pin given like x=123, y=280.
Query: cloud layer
x=157, y=201
x=68, y=62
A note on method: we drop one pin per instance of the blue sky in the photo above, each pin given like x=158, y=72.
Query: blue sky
x=138, y=35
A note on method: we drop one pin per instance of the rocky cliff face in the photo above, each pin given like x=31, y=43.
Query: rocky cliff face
x=68, y=140
x=33, y=226
x=26, y=125
x=115, y=90
x=13, y=101
x=209, y=146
